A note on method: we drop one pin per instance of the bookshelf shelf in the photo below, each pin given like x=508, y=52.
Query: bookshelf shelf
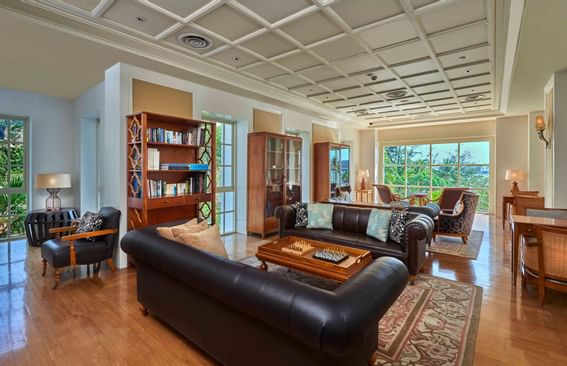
x=150, y=198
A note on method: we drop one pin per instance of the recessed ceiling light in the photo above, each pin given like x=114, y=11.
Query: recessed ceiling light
x=462, y=58
x=196, y=41
x=472, y=90
x=141, y=19
x=396, y=94
x=235, y=58
x=468, y=71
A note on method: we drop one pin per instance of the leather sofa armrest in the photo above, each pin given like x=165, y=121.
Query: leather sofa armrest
x=286, y=215
x=418, y=233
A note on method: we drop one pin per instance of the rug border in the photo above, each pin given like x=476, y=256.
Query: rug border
x=470, y=346
x=428, y=249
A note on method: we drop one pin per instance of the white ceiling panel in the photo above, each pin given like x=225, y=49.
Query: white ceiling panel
x=453, y=14
x=132, y=14
x=312, y=47
x=389, y=34
x=358, y=13
x=274, y=10
x=268, y=45
x=228, y=22
x=181, y=8
x=312, y=28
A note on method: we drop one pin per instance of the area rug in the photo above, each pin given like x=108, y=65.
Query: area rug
x=454, y=246
x=433, y=322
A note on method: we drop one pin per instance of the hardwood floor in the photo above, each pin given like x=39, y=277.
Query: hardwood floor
x=94, y=320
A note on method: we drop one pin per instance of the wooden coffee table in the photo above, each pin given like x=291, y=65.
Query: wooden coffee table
x=342, y=271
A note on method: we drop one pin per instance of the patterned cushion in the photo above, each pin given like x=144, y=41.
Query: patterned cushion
x=378, y=224
x=398, y=224
x=458, y=207
x=301, y=214
x=90, y=222
x=320, y=216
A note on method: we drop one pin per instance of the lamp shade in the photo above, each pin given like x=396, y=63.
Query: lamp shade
x=53, y=181
x=540, y=123
x=515, y=174
x=363, y=173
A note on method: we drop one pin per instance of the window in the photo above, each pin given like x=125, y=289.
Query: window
x=225, y=209
x=427, y=168
x=13, y=197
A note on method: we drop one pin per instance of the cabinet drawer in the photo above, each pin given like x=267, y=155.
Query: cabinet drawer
x=166, y=202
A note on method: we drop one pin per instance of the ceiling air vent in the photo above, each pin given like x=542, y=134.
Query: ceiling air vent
x=196, y=41
x=396, y=94
x=470, y=98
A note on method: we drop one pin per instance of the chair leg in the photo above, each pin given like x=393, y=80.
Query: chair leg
x=465, y=239
x=88, y=270
x=412, y=279
x=373, y=358
x=44, y=267
x=96, y=267
x=143, y=309
x=111, y=265
x=57, y=277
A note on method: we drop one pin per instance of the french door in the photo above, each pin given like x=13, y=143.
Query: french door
x=13, y=174
x=226, y=200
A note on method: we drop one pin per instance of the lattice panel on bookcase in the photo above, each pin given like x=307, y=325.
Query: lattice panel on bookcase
x=135, y=157
x=205, y=156
x=135, y=130
x=135, y=219
x=205, y=211
x=135, y=185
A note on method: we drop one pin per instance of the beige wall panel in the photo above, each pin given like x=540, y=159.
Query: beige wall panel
x=439, y=132
x=161, y=99
x=324, y=134
x=267, y=121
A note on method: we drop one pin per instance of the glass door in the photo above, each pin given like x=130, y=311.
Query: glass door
x=345, y=166
x=293, y=178
x=274, y=174
x=13, y=172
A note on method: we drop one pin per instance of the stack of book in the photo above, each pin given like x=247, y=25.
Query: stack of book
x=160, y=188
x=184, y=166
x=191, y=136
x=153, y=159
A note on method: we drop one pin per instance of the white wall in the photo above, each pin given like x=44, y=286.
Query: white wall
x=368, y=154
x=536, y=179
x=52, y=140
x=558, y=149
x=512, y=148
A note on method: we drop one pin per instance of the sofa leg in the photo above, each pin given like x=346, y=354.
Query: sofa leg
x=422, y=270
x=143, y=309
x=412, y=279
x=57, y=277
x=44, y=267
x=263, y=266
x=373, y=359
x=111, y=265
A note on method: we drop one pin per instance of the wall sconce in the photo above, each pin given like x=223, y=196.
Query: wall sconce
x=540, y=127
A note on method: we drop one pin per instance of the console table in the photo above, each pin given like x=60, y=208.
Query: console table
x=38, y=223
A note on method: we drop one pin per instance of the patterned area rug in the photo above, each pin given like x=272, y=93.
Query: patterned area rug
x=454, y=246
x=432, y=323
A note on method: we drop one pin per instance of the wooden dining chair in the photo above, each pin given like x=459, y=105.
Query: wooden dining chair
x=544, y=262
x=521, y=203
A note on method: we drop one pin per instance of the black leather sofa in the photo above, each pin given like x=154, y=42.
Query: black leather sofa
x=240, y=315
x=349, y=228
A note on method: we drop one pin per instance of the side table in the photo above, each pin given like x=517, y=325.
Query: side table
x=38, y=223
x=364, y=195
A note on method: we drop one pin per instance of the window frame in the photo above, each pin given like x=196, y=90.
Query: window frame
x=430, y=187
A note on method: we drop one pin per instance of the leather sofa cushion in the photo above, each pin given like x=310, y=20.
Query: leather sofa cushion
x=56, y=251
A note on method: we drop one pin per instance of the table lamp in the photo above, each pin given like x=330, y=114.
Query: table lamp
x=514, y=175
x=53, y=183
x=363, y=174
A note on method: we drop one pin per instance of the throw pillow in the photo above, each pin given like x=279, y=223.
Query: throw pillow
x=90, y=222
x=208, y=240
x=167, y=231
x=398, y=222
x=379, y=224
x=188, y=229
x=458, y=207
x=301, y=214
x=320, y=216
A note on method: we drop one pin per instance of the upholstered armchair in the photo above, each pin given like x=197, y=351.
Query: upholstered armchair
x=449, y=198
x=459, y=222
x=71, y=249
x=386, y=195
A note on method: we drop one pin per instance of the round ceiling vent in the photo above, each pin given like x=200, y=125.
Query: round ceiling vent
x=396, y=94
x=196, y=41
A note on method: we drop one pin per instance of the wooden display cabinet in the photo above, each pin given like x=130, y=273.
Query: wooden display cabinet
x=331, y=169
x=274, y=178
x=156, y=195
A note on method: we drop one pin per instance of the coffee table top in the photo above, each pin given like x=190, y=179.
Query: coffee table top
x=278, y=252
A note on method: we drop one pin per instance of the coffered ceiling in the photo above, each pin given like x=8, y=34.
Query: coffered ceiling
x=377, y=61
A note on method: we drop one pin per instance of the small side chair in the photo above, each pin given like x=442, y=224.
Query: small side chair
x=71, y=249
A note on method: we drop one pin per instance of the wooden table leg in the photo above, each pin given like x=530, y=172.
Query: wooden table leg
x=504, y=213
x=263, y=266
x=516, y=232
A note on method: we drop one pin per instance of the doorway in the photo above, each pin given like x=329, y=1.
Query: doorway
x=90, y=164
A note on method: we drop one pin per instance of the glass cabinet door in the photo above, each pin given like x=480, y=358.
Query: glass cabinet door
x=345, y=166
x=274, y=174
x=335, y=168
x=293, y=174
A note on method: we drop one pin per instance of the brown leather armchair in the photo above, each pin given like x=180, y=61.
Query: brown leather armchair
x=449, y=198
x=93, y=247
x=458, y=223
x=386, y=195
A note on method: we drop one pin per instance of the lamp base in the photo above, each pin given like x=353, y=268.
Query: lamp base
x=363, y=184
x=53, y=202
x=514, y=187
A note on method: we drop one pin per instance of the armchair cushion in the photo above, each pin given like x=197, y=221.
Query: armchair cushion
x=56, y=251
x=398, y=224
x=90, y=222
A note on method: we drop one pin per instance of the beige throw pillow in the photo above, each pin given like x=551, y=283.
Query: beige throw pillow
x=167, y=231
x=203, y=225
x=208, y=240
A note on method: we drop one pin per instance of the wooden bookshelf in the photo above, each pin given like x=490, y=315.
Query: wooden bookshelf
x=148, y=205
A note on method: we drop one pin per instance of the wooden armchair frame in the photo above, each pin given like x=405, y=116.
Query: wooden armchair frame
x=71, y=237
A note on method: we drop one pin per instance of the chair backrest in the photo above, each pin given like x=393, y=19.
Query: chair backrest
x=111, y=221
x=469, y=201
x=525, y=193
x=552, y=213
x=385, y=194
x=450, y=196
x=551, y=253
x=521, y=203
